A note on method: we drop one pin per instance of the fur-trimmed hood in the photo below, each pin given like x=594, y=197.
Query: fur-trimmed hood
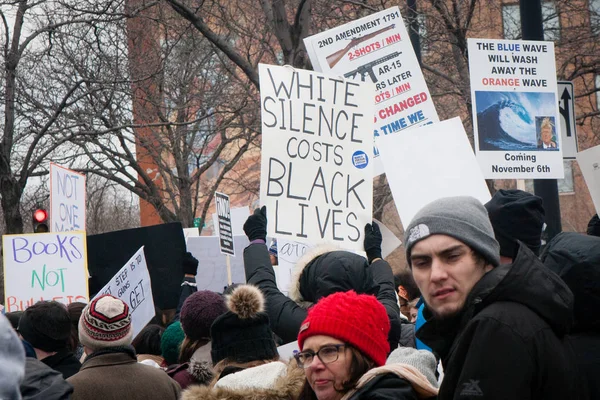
x=327, y=269
x=286, y=386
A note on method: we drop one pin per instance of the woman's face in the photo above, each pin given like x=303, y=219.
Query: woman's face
x=324, y=378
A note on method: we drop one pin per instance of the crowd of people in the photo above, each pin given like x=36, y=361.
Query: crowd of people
x=484, y=310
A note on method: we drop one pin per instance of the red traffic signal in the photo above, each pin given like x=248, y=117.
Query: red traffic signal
x=40, y=221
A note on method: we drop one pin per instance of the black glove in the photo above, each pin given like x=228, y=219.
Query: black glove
x=373, y=241
x=256, y=225
x=189, y=264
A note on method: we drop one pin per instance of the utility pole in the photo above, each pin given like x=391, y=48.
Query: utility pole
x=533, y=29
x=413, y=28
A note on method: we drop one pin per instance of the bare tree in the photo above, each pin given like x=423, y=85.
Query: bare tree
x=36, y=94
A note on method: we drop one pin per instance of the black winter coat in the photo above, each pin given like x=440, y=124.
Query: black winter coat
x=386, y=387
x=313, y=280
x=64, y=362
x=576, y=259
x=507, y=343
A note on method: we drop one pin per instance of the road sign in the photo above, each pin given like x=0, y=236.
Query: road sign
x=566, y=106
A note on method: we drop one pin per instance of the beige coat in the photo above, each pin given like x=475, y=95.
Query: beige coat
x=117, y=376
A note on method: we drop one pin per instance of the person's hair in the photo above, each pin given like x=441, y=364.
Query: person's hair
x=14, y=318
x=50, y=318
x=546, y=123
x=359, y=366
x=75, y=309
x=148, y=340
x=228, y=363
x=188, y=347
x=406, y=279
x=479, y=259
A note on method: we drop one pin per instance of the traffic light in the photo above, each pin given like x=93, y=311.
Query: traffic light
x=40, y=221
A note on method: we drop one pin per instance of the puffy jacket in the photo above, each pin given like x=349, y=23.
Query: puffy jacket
x=272, y=381
x=576, y=259
x=43, y=383
x=508, y=341
x=321, y=272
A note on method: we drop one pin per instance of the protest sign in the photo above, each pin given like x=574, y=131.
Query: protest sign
x=316, y=177
x=429, y=163
x=589, y=163
x=190, y=232
x=67, y=200
x=224, y=215
x=212, y=272
x=288, y=254
x=389, y=241
x=164, y=247
x=239, y=215
x=515, y=109
x=44, y=266
x=132, y=285
x=378, y=49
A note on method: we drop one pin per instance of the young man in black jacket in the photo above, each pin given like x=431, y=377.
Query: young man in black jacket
x=497, y=328
x=46, y=325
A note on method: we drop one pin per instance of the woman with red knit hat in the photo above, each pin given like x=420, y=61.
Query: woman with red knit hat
x=343, y=350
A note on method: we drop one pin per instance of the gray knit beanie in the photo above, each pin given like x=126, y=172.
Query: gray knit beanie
x=423, y=360
x=463, y=218
x=12, y=361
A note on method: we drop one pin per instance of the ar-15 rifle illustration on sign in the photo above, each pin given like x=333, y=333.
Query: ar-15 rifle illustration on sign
x=334, y=58
x=368, y=68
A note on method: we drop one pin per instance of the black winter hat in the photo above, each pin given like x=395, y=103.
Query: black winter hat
x=593, y=228
x=243, y=334
x=46, y=325
x=516, y=215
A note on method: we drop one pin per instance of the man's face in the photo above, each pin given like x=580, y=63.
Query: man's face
x=546, y=135
x=445, y=271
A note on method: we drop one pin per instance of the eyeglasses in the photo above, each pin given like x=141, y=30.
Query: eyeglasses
x=327, y=354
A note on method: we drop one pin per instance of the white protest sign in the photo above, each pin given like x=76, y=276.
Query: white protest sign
x=67, y=200
x=316, y=169
x=190, y=232
x=389, y=241
x=44, y=266
x=212, y=271
x=589, y=163
x=288, y=253
x=429, y=163
x=378, y=49
x=515, y=109
x=132, y=285
x=239, y=215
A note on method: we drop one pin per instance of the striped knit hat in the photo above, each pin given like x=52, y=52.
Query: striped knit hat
x=105, y=322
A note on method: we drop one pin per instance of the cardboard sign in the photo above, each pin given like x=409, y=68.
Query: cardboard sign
x=430, y=163
x=67, y=200
x=377, y=49
x=515, y=109
x=164, y=247
x=132, y=285
x=316, y=168
x=212, y=273
x=589, y=163
x=225, y=231
x=44, y=266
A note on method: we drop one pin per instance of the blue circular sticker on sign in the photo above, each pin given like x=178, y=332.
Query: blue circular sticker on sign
x=360, y=159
